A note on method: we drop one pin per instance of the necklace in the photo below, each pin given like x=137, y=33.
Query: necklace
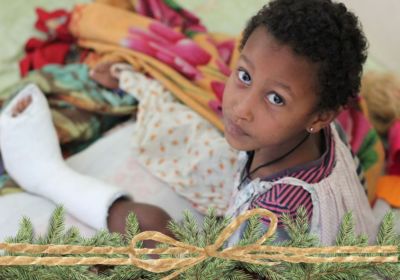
x=247, y=167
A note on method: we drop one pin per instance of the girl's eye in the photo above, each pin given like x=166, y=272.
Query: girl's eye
x=244, y=77
x=275, y=99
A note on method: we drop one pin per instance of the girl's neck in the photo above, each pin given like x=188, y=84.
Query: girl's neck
x=308, y=151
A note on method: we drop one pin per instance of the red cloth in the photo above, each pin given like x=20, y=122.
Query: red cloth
x=55, y=48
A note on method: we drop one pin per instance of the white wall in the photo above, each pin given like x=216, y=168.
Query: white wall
x=380, y=19
x=381, y=23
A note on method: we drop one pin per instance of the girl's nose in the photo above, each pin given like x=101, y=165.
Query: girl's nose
x=243, y=109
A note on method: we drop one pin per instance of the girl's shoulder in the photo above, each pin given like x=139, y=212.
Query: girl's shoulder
x=343, y=151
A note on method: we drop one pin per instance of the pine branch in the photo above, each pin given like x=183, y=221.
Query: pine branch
x=212, y=228
x=104, y=238
x=20, y=273
x=72, y=236
x=253, y=231
x=132, y=227
x=339, y=271
x=127, y=272
x=298, y=230
x=212, y=268
x=25, y=232
x=387, y=234
x=187, y=230
x=346, y=236
x=56, y=227
x=386, y=271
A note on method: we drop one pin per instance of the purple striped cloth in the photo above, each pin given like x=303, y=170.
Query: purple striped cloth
x=283, y=198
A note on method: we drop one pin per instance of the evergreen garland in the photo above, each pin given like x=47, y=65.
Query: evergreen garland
x=188, y=231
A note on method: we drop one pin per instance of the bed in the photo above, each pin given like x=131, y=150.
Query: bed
x=16, y=26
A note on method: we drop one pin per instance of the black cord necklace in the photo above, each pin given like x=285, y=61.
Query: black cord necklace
x=249, y=161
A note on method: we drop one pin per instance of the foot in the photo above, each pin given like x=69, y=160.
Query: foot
x=21, y=105
x=32, y=157
x=102, y=75
x=28, y=140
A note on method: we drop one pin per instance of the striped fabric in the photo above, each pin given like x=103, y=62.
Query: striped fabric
x=283, y=198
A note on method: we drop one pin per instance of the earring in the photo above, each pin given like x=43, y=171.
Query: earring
x=311, y=129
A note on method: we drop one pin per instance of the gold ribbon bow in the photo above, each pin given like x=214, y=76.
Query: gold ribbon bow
x=182, y=264
x=255, y=253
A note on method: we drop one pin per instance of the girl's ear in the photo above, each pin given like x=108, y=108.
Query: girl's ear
x=321, y=120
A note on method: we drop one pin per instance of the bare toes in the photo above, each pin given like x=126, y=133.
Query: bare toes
x=21, y=105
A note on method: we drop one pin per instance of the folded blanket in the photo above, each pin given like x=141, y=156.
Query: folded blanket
x=365, y=144
x=193, y=67
x=81, y=109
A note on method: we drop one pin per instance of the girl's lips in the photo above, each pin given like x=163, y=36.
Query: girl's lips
x=234, y=129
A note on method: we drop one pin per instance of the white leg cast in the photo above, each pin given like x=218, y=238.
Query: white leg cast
x=32, y=156
x=28, y=141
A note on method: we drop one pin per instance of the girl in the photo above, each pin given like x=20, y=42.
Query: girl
x=300, y=63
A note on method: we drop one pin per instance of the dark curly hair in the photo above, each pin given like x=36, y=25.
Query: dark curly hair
x=324, y=32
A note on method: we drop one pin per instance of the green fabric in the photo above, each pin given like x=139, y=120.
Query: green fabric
x=80, y=107
x=367, y=154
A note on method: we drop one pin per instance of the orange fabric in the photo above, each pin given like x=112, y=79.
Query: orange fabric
x=389, y=189
x=123, y=4
x=374, y=173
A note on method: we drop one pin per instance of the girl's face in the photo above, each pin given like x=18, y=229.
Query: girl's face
x=270, y=98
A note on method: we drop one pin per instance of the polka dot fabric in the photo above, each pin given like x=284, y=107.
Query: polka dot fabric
x=180, y=147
